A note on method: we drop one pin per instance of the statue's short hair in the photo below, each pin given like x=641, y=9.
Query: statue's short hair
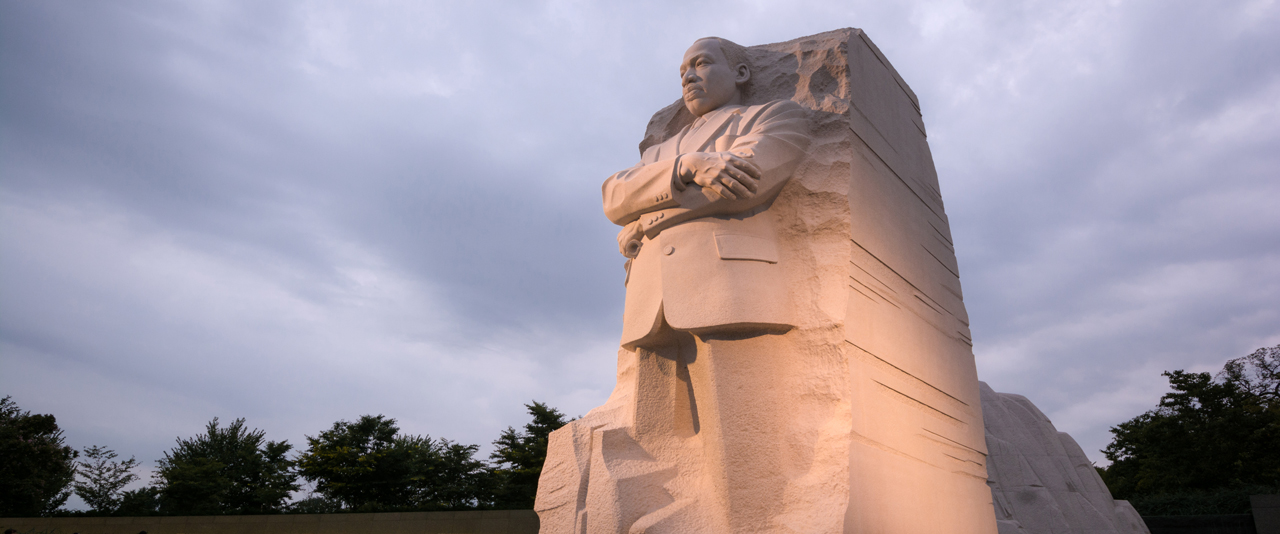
x=735, y=53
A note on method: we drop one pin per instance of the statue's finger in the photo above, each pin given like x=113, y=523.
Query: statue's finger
x=745, y=179
x=747, y=166
x=737, y=188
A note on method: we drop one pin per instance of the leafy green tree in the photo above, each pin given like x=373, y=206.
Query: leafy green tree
x=140, y=502
x=362, y=465
x=457, y=479
x=103, y=478
x=36, y=467
x=228, y=470
x=1258, y=374
x=315, y=504
x=1208, y=433
x=520, y=456
x=367, y=465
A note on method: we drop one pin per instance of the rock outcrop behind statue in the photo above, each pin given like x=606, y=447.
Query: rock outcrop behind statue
x=1041, y=481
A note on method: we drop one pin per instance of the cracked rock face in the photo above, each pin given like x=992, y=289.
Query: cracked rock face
x=1040, y=479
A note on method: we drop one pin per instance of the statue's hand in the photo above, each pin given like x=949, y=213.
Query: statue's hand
x=629, y=239
x=724, y=173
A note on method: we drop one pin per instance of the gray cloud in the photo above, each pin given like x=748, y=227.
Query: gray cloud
x=300, y=212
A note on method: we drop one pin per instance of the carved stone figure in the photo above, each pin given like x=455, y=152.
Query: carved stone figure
x=795, y=355
x=693, y=210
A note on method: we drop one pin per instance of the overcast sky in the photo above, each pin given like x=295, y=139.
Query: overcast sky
x=298, y=213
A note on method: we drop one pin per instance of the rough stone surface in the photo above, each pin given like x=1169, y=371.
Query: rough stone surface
x=1041, y=482
x=854, y=405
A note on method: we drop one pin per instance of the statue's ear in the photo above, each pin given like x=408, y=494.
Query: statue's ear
x=743, y=74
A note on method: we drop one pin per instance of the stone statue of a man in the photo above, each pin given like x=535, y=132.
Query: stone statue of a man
x=692, y=439
x=795, y=353
x=694, y=210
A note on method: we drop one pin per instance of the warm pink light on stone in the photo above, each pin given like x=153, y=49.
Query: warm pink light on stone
x=795, y=351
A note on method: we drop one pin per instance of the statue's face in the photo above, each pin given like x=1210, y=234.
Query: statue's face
x=708, y=79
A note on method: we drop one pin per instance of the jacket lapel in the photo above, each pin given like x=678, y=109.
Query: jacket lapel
x=665, y=150
x=699, y=140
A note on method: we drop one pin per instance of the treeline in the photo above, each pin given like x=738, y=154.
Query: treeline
x=366, y=465
x=1212, y=441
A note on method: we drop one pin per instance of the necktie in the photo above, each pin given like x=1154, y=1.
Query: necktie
x=693, y=128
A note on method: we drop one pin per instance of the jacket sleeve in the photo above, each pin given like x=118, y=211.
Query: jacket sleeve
x=646, y=187
x=775, y=139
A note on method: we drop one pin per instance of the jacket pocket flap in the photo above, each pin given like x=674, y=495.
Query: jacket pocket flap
x=746, y=247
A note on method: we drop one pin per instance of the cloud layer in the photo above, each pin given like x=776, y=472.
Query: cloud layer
x=303, y=212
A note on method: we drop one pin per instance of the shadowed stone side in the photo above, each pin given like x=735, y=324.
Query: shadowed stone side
x=1040, y=479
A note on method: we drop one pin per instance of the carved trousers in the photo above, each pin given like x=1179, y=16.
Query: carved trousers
x=742, y=431
x=708, y=433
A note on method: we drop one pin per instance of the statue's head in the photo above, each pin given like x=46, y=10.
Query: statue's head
x=713, y=74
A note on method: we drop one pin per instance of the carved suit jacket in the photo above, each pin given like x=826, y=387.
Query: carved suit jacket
x=706, y=263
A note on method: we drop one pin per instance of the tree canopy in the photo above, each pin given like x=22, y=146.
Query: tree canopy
x=519, y=456
x=229, y=470
x=103, y=478
x=367, y=465
x=1209, y=432
x=36, y=467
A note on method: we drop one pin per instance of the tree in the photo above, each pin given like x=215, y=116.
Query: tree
x=104, y=478
x=520, y=456
x=458, y=479
x=362, y=465
x=1257, y=373
x=315, y=504
x=36, y=467
x=367, y=465
x=139, y=502
x=1208, y=433
x=226, y=471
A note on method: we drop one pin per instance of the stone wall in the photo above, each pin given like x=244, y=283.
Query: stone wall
x=467, y=522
